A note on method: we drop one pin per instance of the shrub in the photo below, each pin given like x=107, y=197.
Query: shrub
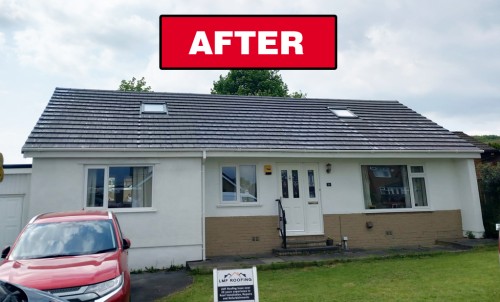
x=490, y=206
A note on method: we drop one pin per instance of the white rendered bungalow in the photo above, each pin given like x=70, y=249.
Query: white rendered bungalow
x=195, y=176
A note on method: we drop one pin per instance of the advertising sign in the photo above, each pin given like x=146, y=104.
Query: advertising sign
x=236, y=285
x=248, y=41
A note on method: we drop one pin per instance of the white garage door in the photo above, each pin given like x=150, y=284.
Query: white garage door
x=10, y=219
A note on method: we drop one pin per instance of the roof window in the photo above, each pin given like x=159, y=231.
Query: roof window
x=154, y=108
x=343, y=112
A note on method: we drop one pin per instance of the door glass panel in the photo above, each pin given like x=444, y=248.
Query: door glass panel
x=312, y=186
x=284, y=183
x=295, y=183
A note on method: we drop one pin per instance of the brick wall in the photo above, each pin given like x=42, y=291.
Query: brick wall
x=241, y=235
x=258, y=234
x=394, y=229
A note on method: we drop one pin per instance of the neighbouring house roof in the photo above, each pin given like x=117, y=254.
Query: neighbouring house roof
x=475, y=142
x=490, y=154
x=108, y=120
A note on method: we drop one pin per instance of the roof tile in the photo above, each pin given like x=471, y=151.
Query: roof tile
x=80, y=118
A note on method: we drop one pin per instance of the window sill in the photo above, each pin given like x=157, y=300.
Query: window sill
x=398, y=210
x=124, y=210
x=239, y=205
x=133, y=210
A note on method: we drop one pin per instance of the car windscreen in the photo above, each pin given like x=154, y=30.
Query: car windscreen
x=59, y=239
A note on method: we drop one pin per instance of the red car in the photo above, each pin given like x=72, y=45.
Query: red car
x=78, y=256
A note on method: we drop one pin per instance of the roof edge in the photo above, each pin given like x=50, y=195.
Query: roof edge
x=100, y=153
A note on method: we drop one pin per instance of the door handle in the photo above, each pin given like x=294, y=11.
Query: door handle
x=313, y=202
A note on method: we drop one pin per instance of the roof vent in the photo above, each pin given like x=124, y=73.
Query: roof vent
x=345, y=113
x=154, y=108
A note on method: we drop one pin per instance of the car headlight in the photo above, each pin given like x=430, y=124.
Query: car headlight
x=105, y=287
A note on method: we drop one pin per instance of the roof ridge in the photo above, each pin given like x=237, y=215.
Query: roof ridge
x=223, y=96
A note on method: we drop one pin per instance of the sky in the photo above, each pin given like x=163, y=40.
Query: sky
x=440, y=58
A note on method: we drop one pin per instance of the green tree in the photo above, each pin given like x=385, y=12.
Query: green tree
x=253, y=82
x=490, y=207
x=132, y=85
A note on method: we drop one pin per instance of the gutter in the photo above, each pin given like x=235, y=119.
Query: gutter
x=89, y=153
x=87, y=149
x=203, y=238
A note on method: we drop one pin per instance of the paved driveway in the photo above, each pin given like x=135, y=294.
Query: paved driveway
x=151, y=286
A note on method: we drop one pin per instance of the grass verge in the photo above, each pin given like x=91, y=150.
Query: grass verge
x=467, y=276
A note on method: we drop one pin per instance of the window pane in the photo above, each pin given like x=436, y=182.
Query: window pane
x=284, y=183
x=312, y=187
x=155, y=108
x=343, y=112
x=419, y=191
x=248, y=183
x=228, y=183
x=417, y=169
x=130, y=187
x=386, y=187
x=139, y=189
x=95, y=187
x=295, y=183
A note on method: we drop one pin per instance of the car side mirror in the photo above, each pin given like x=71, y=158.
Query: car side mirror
x=126, y=243
x=5, y=252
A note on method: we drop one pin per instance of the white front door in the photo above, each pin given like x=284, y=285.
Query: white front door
x=299, y=189
x=10, y=219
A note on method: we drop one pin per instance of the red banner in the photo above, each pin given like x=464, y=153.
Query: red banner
x=254, y=42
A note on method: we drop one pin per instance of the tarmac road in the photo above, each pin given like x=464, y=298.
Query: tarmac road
x=147, y=287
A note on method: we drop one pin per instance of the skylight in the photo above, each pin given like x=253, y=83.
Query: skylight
x=154, y=108
x=343, y=113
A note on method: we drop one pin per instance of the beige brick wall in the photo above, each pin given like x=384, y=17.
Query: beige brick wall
x=394, y=229
x=258, y=234
x=241, y=235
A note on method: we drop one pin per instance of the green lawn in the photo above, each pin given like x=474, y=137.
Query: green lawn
x=466, y=276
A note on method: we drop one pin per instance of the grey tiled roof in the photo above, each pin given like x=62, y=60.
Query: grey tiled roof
x=99, y=119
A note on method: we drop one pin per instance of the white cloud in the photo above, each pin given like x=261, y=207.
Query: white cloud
x=470, y=124
x=189, y=81
x=79, y=38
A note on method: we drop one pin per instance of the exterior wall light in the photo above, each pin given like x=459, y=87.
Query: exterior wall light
x=328, y=168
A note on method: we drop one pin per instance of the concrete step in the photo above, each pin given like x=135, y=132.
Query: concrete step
x=309, y=241
x=306, y=243
x=293, y=251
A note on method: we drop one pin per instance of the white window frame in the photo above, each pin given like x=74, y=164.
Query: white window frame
x=238, y=201
x=343, y=112
x=412, y=175
x=106, y=191
x=410, y=187
x=154, y=108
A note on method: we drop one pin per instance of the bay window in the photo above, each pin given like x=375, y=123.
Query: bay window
x=119, y=186
x=393, y=186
